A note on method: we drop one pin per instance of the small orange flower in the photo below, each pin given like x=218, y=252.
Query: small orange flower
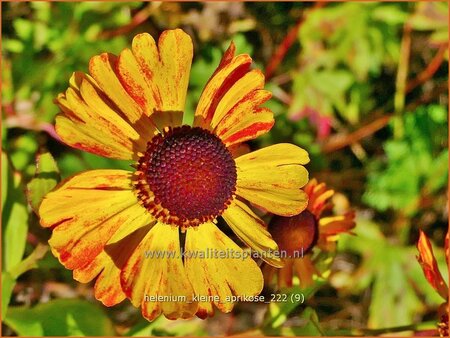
x=298, y=235
x=129, y=229
x=429, y=265
x=428, y=262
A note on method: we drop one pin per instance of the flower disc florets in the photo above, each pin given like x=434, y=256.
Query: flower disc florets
x=186, y=177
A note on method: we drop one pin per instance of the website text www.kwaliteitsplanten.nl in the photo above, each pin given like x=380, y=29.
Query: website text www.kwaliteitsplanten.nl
x=229, y=253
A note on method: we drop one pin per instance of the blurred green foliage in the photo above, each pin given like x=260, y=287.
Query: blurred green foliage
x=337, y=77
x=415, y=165
x=64, y=317
x=391, y=272
x=342, y=54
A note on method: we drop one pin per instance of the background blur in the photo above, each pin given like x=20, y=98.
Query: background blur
x=362, y=86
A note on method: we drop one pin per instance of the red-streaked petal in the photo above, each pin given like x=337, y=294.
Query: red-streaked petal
x=86, y=210
x=107, y=287
x=245, y=120
x=242, y=90
x=318, y=195
x=229, y=71
x=259, y=122
x=165, y=70
x=92, y=124
x=103, y=69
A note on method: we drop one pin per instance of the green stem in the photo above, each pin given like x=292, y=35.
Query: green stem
x=425, y=326
x=400, y=84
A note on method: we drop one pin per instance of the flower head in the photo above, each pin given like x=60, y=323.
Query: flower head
x=150, y=234
x=298, y=235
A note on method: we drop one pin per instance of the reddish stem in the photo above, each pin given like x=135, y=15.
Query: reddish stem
x=357, y=135
x=431, y=69
x=287, y=42
x=136, y=20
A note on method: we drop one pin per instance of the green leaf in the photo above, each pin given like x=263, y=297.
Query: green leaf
x=162, y=326
x=430, y=15
x=390, y=14
x=60, y=317
x=45, y=179
x=5, y=178
x=311, y=325
x=14, y=216
x=279, y=311
x=8, y=282
x=30, y=262
x=24, y=28
x=13, y=46
x=9, y=277
x=22, y=151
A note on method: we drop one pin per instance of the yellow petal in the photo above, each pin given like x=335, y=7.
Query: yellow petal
x=89, y=123
x=217, y=267
x=155, y=269
x=272, y=178
x=86, y=210
x=252, y=231
x=84, y=138
x=109, y=114
x=334, y=225
x=164, y=119
x=229, y=71
x=165, y=69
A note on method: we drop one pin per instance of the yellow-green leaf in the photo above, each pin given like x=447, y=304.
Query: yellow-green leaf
x=45, y=179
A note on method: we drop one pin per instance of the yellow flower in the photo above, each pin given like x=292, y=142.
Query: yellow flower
x=296, y=236
x=130, y=229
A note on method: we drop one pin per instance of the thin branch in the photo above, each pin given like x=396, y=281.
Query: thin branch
x=365, y=131
x=287, y=42
x=431, y=69
x=402, y=75
x=343, y=140
x=139, y=18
